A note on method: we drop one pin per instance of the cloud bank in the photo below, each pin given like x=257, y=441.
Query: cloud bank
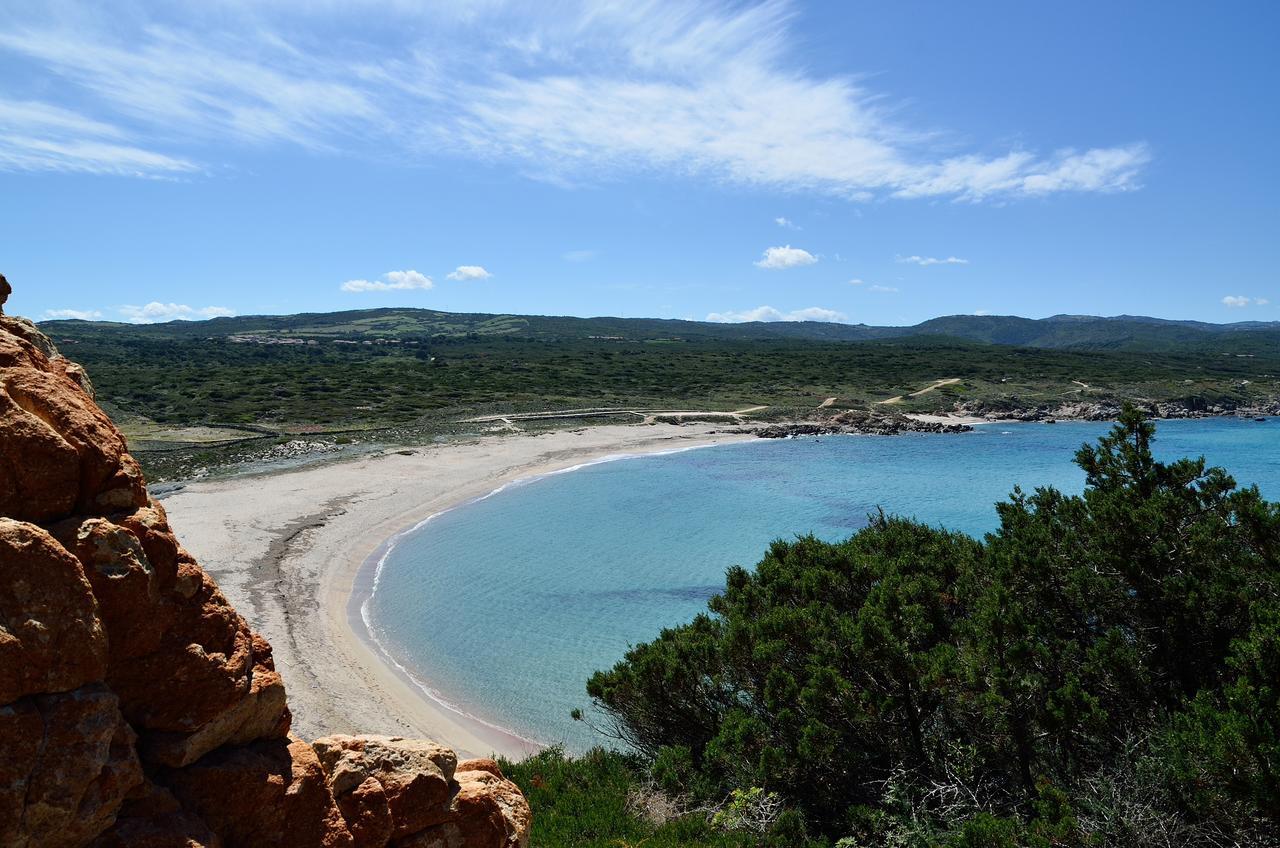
x=76, y=314
x=156, y=312
x=391, y=281
x=469, y=272
x=768, y=313
x=1239, y=301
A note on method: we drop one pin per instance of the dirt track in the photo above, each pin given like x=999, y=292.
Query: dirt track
x=937, y=384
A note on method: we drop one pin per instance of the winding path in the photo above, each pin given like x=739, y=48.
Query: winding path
x=937, y=384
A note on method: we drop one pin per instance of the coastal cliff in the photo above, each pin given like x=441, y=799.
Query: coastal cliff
x=137, y=707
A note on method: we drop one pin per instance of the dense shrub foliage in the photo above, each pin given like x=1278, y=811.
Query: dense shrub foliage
x=186, y=373
x=1103, y=669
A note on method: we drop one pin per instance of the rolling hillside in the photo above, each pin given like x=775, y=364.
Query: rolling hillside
x=1068, y=332
x=409, y=376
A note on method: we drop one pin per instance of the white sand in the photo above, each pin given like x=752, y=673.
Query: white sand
x=948, y=418
x=288, y=548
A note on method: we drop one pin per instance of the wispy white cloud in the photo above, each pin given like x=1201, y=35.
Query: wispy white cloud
x=469, y=272
x=782, y=258
x=857, y=282
x=882, y=289
x=931, y=260
x=738, y=107
x=34, y=115
x=77, y=314
x=1020, y=173
x=768, y=313
x=43, y=137
x=391, y=281
x=252, y=87
x=157, y=312
x=786, y=223
x=567, y=92
x=579, y=255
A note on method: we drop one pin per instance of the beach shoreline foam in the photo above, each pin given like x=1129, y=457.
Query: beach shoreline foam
x=297, y=551
x=367, y=579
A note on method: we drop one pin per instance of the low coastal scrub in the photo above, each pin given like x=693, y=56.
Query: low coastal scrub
x=604, y=800
x=1102, y=670
x=190, y=375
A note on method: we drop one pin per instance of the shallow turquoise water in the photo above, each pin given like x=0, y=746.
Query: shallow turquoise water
x=507, y=604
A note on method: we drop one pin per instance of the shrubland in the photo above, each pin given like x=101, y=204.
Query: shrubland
x=334, y=384
x=1101, y=670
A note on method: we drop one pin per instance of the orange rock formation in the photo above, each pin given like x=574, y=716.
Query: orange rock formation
x=137, y=708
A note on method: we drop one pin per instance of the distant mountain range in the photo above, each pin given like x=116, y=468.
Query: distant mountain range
x=1066, y=332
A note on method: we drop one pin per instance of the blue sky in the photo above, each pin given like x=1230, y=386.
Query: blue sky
x=877, y=162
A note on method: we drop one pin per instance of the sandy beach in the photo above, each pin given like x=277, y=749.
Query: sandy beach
x=971, y=420
x=289, y=549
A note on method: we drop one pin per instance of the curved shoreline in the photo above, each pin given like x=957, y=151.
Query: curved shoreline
x=290, y=550
x=368, y=576
x=358, y=620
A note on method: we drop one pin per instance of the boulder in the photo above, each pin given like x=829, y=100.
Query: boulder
x=70, y=762
x=60, y=454
x=151, y=817
x=487, y=811
x=51, y=639
x=415, y=776
x=264, y=795
x=123, y=581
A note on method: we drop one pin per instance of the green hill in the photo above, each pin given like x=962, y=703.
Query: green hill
x=1078, y=332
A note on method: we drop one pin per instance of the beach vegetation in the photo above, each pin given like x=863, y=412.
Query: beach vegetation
x=1102, y=669
x=604, y=799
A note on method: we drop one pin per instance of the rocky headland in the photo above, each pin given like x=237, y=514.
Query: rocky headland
x=137, y=707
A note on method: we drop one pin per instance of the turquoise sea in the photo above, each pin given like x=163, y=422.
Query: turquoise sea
x=507, y=604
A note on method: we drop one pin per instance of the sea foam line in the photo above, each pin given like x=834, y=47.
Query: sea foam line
x=366, y=618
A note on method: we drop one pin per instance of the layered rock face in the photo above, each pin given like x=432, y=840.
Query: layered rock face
x=137, y=708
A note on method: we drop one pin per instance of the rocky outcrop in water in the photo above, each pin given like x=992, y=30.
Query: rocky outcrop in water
x=137, y=707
